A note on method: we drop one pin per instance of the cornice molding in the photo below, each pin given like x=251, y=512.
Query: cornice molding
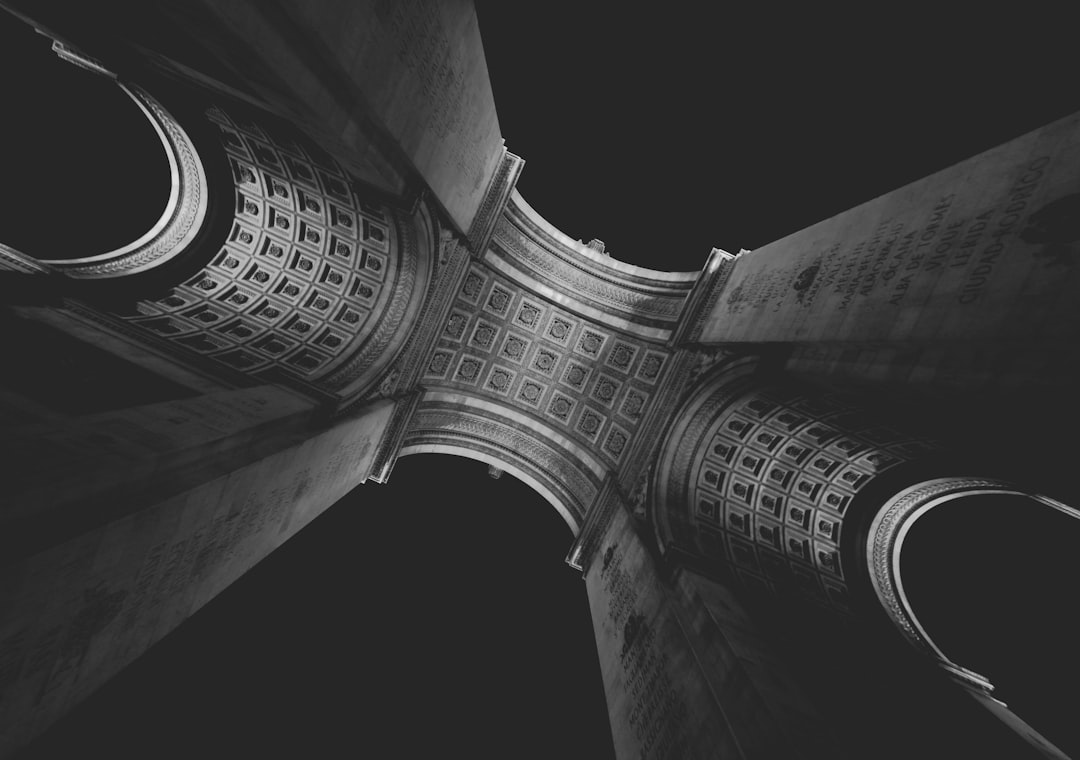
x=597, y=521
x=495, y=200
x=394, y=437
x=703, y=297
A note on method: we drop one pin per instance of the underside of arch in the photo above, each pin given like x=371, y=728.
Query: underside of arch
x=530, y=251
x=503, y=463
x=312, y=282
x=563, y=472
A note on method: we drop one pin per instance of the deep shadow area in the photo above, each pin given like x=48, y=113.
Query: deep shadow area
x=991, y=581
x=666, y=132
x=411, y=620
x=84, y=172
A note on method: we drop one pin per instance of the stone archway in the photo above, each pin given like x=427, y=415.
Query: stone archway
x=989, y=579
x=518, y=471
x=986, y=588
x=113, y=185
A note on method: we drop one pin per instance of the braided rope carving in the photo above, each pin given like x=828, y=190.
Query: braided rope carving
x=188, y=206
x=882, y=548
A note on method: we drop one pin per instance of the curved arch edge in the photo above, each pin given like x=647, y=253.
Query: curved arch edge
x=520, y=473
x=884, y=545
x=885, y=540
x=446, y=420
x=184, y=213
x=598, y=259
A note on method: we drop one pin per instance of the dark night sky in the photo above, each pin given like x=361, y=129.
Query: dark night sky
x=434, y=616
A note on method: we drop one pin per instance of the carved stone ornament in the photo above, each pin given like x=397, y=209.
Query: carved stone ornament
x=886, y=538
x=638, y=497
x=704, y=361
x=386, y=387
x=78, y=58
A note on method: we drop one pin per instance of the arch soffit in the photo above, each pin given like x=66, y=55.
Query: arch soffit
x=312, y=282
x=703, y=406
x=537, y=256
x=521, y=473
x=567, y=474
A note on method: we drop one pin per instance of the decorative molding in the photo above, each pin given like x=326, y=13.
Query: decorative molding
x=559, y=470
x=704, y=295
x=181, y=219
x=580, y=284
x=389, y=323
x=597, y=520
x=883, y=546
x=416, y=355
x=646, y=443
x=883, y=549
x=78, y=58
x=576, y=254
x=637, y=298
x=495, y=199
x=702, y=361
x=723, y=390
x=591, y=383
x=183, y=216
x=394, y=437
x=12, y=260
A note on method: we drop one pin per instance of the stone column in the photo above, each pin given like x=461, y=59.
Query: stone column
x=804, y=495
x=685, y=673
x=139, y=517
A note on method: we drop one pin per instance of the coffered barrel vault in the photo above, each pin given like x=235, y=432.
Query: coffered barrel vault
x=311, y=281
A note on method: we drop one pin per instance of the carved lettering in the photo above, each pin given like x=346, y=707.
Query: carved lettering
x=1013, y=212
x=424, y=49
x=657, y=713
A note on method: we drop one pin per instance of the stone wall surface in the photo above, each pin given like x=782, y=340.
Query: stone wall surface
x=72, y=615
x=415, y=69
x=983, y=250
x=680, y=682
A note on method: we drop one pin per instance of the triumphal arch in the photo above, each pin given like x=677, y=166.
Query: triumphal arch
x=344, y=274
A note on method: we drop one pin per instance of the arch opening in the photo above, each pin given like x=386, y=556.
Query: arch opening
x=506, y=465
x=106, y=178
x=988, y=578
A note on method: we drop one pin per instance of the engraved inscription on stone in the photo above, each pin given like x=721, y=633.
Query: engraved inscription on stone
x=658, y=712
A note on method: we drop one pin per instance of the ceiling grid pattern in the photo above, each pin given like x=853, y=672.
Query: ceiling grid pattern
x=585, y=380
